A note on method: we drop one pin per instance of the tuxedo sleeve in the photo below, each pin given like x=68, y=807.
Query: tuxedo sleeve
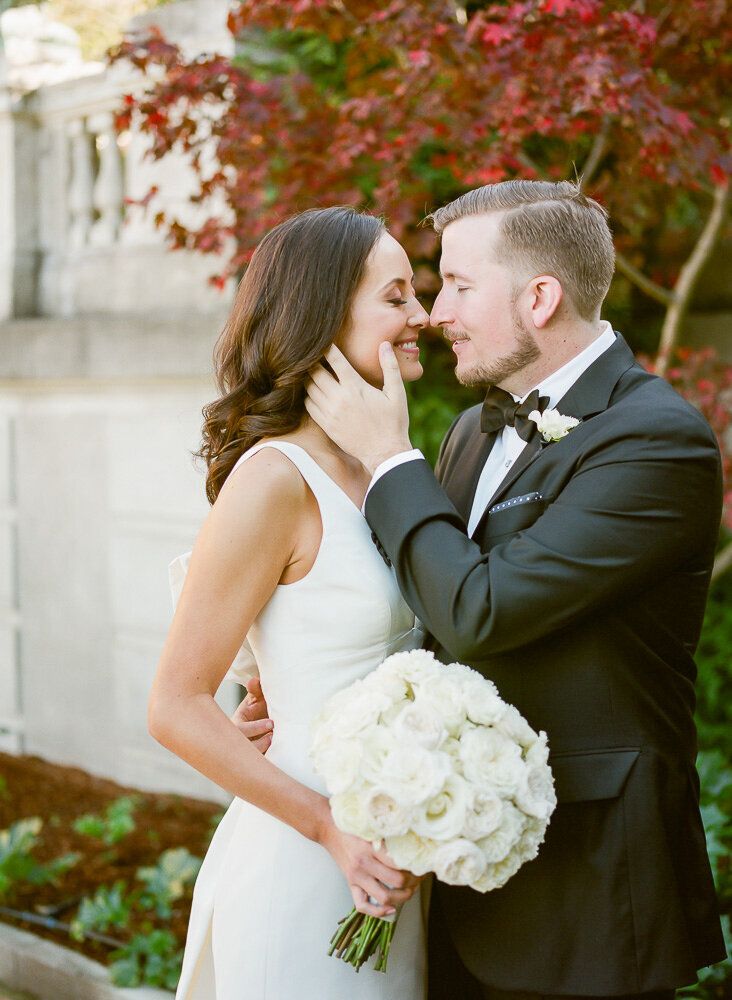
x=632, y=509
x=444, y=445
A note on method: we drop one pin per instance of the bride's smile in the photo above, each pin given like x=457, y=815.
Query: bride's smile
x=385, y=307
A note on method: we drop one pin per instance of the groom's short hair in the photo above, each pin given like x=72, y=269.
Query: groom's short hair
x=547, y=228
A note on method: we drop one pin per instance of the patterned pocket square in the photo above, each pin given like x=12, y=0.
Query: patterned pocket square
x=515, y=501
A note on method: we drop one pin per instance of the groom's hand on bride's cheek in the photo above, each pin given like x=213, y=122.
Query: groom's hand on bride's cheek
x=369, y=423
x=251, y=719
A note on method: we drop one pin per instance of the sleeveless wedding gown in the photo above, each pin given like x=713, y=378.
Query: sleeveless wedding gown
x=267, y=900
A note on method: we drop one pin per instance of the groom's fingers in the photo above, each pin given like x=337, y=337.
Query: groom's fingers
x=315, y=412
x=321, y=377
x=393, y=381
x=254, y=688
x=316, y=393
x=341, y=366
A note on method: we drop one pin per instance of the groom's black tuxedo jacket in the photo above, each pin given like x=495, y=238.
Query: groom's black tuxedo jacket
x=581, y=595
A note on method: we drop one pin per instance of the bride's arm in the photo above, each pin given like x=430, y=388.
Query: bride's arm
x=248, y=539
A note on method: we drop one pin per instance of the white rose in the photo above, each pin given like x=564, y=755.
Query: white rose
x=497, y=875
x=412, y=775
x=447, y=699
x=484, y=816
x=536, y=795
x=458, y=862
x=385, y=815
x=479, y=748
x=338, y=764
x=359, y=713
x=460, y=674
x=516, y=728
x=537, y=755
x=349, y=815
x=412, y=667
x=451, y=747
x=552, y=424
x=508, y=771
x=502, y=841
x=387, y=681
x=484, y=705
x=444, y=815
x=374, y=748
x=410, y=852
x=419, y=722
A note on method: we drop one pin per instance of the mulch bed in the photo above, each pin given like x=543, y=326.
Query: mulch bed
x=59, y=795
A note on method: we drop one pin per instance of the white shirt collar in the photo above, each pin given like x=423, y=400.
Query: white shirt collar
x=558, y=384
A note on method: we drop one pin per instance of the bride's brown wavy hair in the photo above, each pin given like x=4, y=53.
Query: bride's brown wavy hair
x=294, y=299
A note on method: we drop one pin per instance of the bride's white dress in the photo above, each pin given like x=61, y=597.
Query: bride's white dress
x=267, y=900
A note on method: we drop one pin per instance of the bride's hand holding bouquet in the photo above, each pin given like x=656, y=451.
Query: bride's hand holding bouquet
x=427, y=759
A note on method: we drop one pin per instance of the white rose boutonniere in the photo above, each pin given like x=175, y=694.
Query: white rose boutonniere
x=552, y=424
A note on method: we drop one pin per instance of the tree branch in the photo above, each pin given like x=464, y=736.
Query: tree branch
x=723, y=562
x=688, y=277
x=631, y=272
x=526, y=161
x=599, y=148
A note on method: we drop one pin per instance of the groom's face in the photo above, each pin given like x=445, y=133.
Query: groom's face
x=477, y=306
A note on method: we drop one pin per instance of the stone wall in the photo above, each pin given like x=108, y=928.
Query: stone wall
x=105, y=360
x=98, y=492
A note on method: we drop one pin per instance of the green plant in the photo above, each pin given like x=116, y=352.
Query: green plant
x=17, y=863
x=714, y=682
x=167, y=881
x=714, y=723
x=114, y=825
x=108, y=907
x=715, y=772
x=153, y=958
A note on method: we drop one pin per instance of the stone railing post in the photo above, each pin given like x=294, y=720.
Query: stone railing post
x=81, y=184
x=108, y=192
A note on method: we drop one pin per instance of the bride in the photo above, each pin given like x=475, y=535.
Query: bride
x=286, y=560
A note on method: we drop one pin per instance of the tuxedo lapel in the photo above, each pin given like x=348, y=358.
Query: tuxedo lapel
x=591, y=393
x=531, y=451
x=461, y=479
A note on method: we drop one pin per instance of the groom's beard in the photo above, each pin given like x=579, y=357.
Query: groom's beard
x=500, y=369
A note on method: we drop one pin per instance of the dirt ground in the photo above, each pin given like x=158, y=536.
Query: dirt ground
x=59, y=795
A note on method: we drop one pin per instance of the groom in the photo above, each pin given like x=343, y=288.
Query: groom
x=563, y=549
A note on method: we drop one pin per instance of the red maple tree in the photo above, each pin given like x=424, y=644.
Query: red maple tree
x=403, y=105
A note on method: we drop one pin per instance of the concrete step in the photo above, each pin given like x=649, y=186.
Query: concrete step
x=32, y=968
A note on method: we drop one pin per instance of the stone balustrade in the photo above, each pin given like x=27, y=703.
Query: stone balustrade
x=79, y=247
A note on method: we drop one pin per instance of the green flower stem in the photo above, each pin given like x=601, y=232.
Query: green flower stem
x=347, y=928
x=358, y=937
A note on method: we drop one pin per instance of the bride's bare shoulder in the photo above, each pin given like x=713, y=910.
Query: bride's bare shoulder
x=268, y=477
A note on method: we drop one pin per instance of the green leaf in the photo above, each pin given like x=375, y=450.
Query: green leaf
x=167, y=881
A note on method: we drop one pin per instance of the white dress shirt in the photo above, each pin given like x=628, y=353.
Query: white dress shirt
x=508, y=445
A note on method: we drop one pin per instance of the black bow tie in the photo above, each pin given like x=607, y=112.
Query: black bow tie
x=500, y=409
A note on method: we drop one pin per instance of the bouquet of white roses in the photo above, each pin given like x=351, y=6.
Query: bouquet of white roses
x=427, y=758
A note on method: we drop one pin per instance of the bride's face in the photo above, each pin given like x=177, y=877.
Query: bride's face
x=384, y=308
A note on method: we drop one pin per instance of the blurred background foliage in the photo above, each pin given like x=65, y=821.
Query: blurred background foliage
x=714, y=721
